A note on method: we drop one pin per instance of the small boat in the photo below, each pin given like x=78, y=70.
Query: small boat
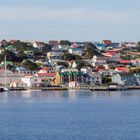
x=4, y=89
x=1, y=89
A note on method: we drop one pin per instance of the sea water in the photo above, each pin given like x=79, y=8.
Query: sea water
x=70, y=115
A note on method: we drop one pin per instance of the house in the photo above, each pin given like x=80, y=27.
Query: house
x=97, y=78
x=135, y=62
x=100, y=46
x=38, y=45
x=100, y=68
x=58, y=68
x=86, y=69
x=17, y=84
x=77, y=44
x=32, y=81
x=115, y=45
x=129, y=44
x=29, y=53
x=77, y=51
x=107, y=42
x=125, y=62
x=12, y=48
x=107, y=73
x=73, y=84
x=55, y=55
x=46, y=70
x=71, y=74
x=22, y=70
x=99, y=60
x=127, y=79
x=53, y=43
x=57, y=79
x=112, y=56
x=47, y=77
x=1, y=50
x=122, y=69
x=7, y=76
x=64, y=47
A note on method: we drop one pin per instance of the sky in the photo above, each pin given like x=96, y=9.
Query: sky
x=74, y=20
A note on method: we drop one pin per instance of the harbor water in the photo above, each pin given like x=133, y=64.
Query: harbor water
x=70, y=115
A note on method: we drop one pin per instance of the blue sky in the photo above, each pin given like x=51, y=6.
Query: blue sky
x=75, y=20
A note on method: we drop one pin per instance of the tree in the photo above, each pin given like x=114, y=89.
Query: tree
x=91, y=50
x=78, y=57
x=135, y=70
x=22, y=46
x=29, y=65
x=63, y=64
x=106, y=80
x=68, y=56
x=46, y=48
x=138, y=46
x=65, y=42
x=10, y=56
x=80, y=64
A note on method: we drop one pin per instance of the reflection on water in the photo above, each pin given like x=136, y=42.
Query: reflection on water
x=31, y=96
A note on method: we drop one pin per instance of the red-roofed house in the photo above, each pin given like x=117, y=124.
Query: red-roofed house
x=126, y=62
x=46, y=70
x=112, y=56
x=107, y=42
x=122, y=69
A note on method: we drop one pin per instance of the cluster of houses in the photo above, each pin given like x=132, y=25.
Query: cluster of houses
x=109, y=63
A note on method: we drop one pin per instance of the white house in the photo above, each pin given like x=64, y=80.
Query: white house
x=127, y=79
x=99, y=60
x=129, y=44
x=77, y=51
x=31, y=81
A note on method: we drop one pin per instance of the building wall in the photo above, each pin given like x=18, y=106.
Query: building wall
x=117, y=79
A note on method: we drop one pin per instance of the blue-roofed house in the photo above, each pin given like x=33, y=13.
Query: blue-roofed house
x=100, y=46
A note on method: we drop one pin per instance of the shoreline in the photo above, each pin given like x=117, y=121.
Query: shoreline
x=97, y=88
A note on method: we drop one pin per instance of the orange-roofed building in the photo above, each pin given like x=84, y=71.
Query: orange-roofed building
x=46, y=70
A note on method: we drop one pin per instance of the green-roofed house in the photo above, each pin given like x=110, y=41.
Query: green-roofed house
x=71, y=74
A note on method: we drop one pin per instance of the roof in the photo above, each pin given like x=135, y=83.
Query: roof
x=107, y=42
x=126, y=74
x=46, y=74
x=46, y=68
x=77, y=49
x=115, y=45
x=99, y=45
x=125, y=61
x=53, y=43
x=122, y=69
